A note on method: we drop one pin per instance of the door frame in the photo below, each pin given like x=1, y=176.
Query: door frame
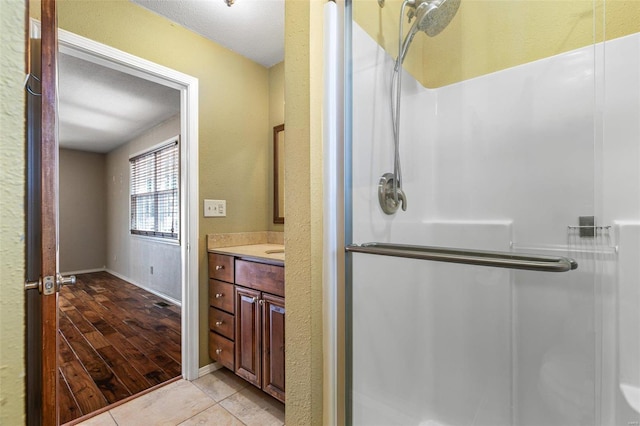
x=110, y=57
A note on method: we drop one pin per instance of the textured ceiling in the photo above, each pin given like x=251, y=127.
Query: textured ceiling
x=100, y=108
x=252, y=28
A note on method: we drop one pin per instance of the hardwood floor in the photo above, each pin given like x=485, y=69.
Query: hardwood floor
x=114, y=341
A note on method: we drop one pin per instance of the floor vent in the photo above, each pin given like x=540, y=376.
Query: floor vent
x=161, y=304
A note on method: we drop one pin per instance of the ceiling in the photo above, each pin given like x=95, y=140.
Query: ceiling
x=252, y=28
x=101, y=108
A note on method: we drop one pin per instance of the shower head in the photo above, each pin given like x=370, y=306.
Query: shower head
x=437, y=19
x=431, y=17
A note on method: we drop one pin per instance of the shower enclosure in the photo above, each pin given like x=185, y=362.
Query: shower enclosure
x=519, y=141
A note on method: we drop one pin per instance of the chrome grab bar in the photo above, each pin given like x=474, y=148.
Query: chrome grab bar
x=531, y=262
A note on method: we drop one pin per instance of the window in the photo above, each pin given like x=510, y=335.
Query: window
x=154, y=189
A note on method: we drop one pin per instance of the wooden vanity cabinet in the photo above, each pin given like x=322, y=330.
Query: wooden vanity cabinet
x=248, y=331
x=260, y=326
x=221, y=310
x=247, y=318
x=260, y=340
x=273, y=346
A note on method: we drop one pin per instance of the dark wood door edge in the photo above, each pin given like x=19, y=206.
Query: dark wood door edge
x=48, y=206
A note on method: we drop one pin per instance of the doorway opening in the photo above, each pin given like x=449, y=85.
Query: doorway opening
x=187, y=122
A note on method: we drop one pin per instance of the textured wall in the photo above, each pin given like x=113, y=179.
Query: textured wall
x=276, y=117
x=303, y=224
x=234, y=112
x=83, y=220
x=12, y=173
x=488, y=35
x=131, y=257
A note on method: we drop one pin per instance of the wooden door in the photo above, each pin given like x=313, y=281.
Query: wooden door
x=273, y=346
x=248, y=335
x=49, y=211
x=42, y=262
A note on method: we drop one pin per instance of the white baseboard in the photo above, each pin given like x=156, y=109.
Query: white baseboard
x=210, y=368
x=150, y=290
x=84, y=271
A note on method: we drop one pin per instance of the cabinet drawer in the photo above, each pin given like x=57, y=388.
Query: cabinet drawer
x=222, y=350
x=260, y=276
x=221, y=295
x=221, y=267
x=221, y=322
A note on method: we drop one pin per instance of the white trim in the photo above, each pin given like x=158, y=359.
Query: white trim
x=332, y=225
x=84, y=271
x=145, y=288
x=98, y=53
x=209, y=368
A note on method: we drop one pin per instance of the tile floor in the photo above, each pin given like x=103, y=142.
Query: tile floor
x=220, y=398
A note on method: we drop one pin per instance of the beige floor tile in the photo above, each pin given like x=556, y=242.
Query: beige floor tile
x=103, y=419
x=215, y=415
x=255, y=408
x=169, y=405
x=220, y=384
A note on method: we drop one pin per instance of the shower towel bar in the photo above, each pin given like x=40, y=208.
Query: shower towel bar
x=531, y=262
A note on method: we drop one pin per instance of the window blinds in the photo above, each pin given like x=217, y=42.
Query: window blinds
x=154, y=189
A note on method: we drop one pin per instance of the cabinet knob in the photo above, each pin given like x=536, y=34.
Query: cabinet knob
x=219, y=295
x=254, y=299
x=218, y=351
x=261, y=302
x=218, y=323
x=219, y=267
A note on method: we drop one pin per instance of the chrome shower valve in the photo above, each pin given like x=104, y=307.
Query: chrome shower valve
x=389, y=199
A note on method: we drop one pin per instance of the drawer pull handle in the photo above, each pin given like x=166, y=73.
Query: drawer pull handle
x=219, y=295
x=218, y=323
x=218, y=351
x=219, y=267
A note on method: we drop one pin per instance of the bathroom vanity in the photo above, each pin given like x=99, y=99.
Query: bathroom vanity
x=246, y=313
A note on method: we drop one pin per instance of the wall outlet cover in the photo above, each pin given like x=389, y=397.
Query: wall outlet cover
x=215, y=208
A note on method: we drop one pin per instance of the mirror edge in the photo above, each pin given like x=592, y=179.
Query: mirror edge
x=277, y=216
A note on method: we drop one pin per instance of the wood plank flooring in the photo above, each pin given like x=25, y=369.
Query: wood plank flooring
x=114, y=342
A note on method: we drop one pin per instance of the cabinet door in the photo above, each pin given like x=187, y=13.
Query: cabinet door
x=273, y=346
x=247, y=341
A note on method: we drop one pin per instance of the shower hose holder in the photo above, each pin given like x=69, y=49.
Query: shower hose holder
x=387, y=197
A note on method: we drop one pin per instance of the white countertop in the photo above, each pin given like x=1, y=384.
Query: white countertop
x=255, y=251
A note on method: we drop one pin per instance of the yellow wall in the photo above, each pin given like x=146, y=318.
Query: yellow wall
x=303, y=223
x=490, y=35
x=276, y=117
x=12, y=168
x=233, y=107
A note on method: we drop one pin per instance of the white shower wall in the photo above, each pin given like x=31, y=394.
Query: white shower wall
x=502, y=162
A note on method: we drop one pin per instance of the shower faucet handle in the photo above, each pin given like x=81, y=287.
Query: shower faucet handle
x=390, y=198
x=402, y=198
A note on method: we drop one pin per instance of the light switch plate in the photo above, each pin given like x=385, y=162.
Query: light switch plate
x=215, y=208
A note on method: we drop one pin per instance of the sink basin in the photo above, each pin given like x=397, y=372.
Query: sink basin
x=273, y=251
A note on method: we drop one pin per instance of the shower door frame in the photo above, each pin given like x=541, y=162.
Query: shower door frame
x=344, y=230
